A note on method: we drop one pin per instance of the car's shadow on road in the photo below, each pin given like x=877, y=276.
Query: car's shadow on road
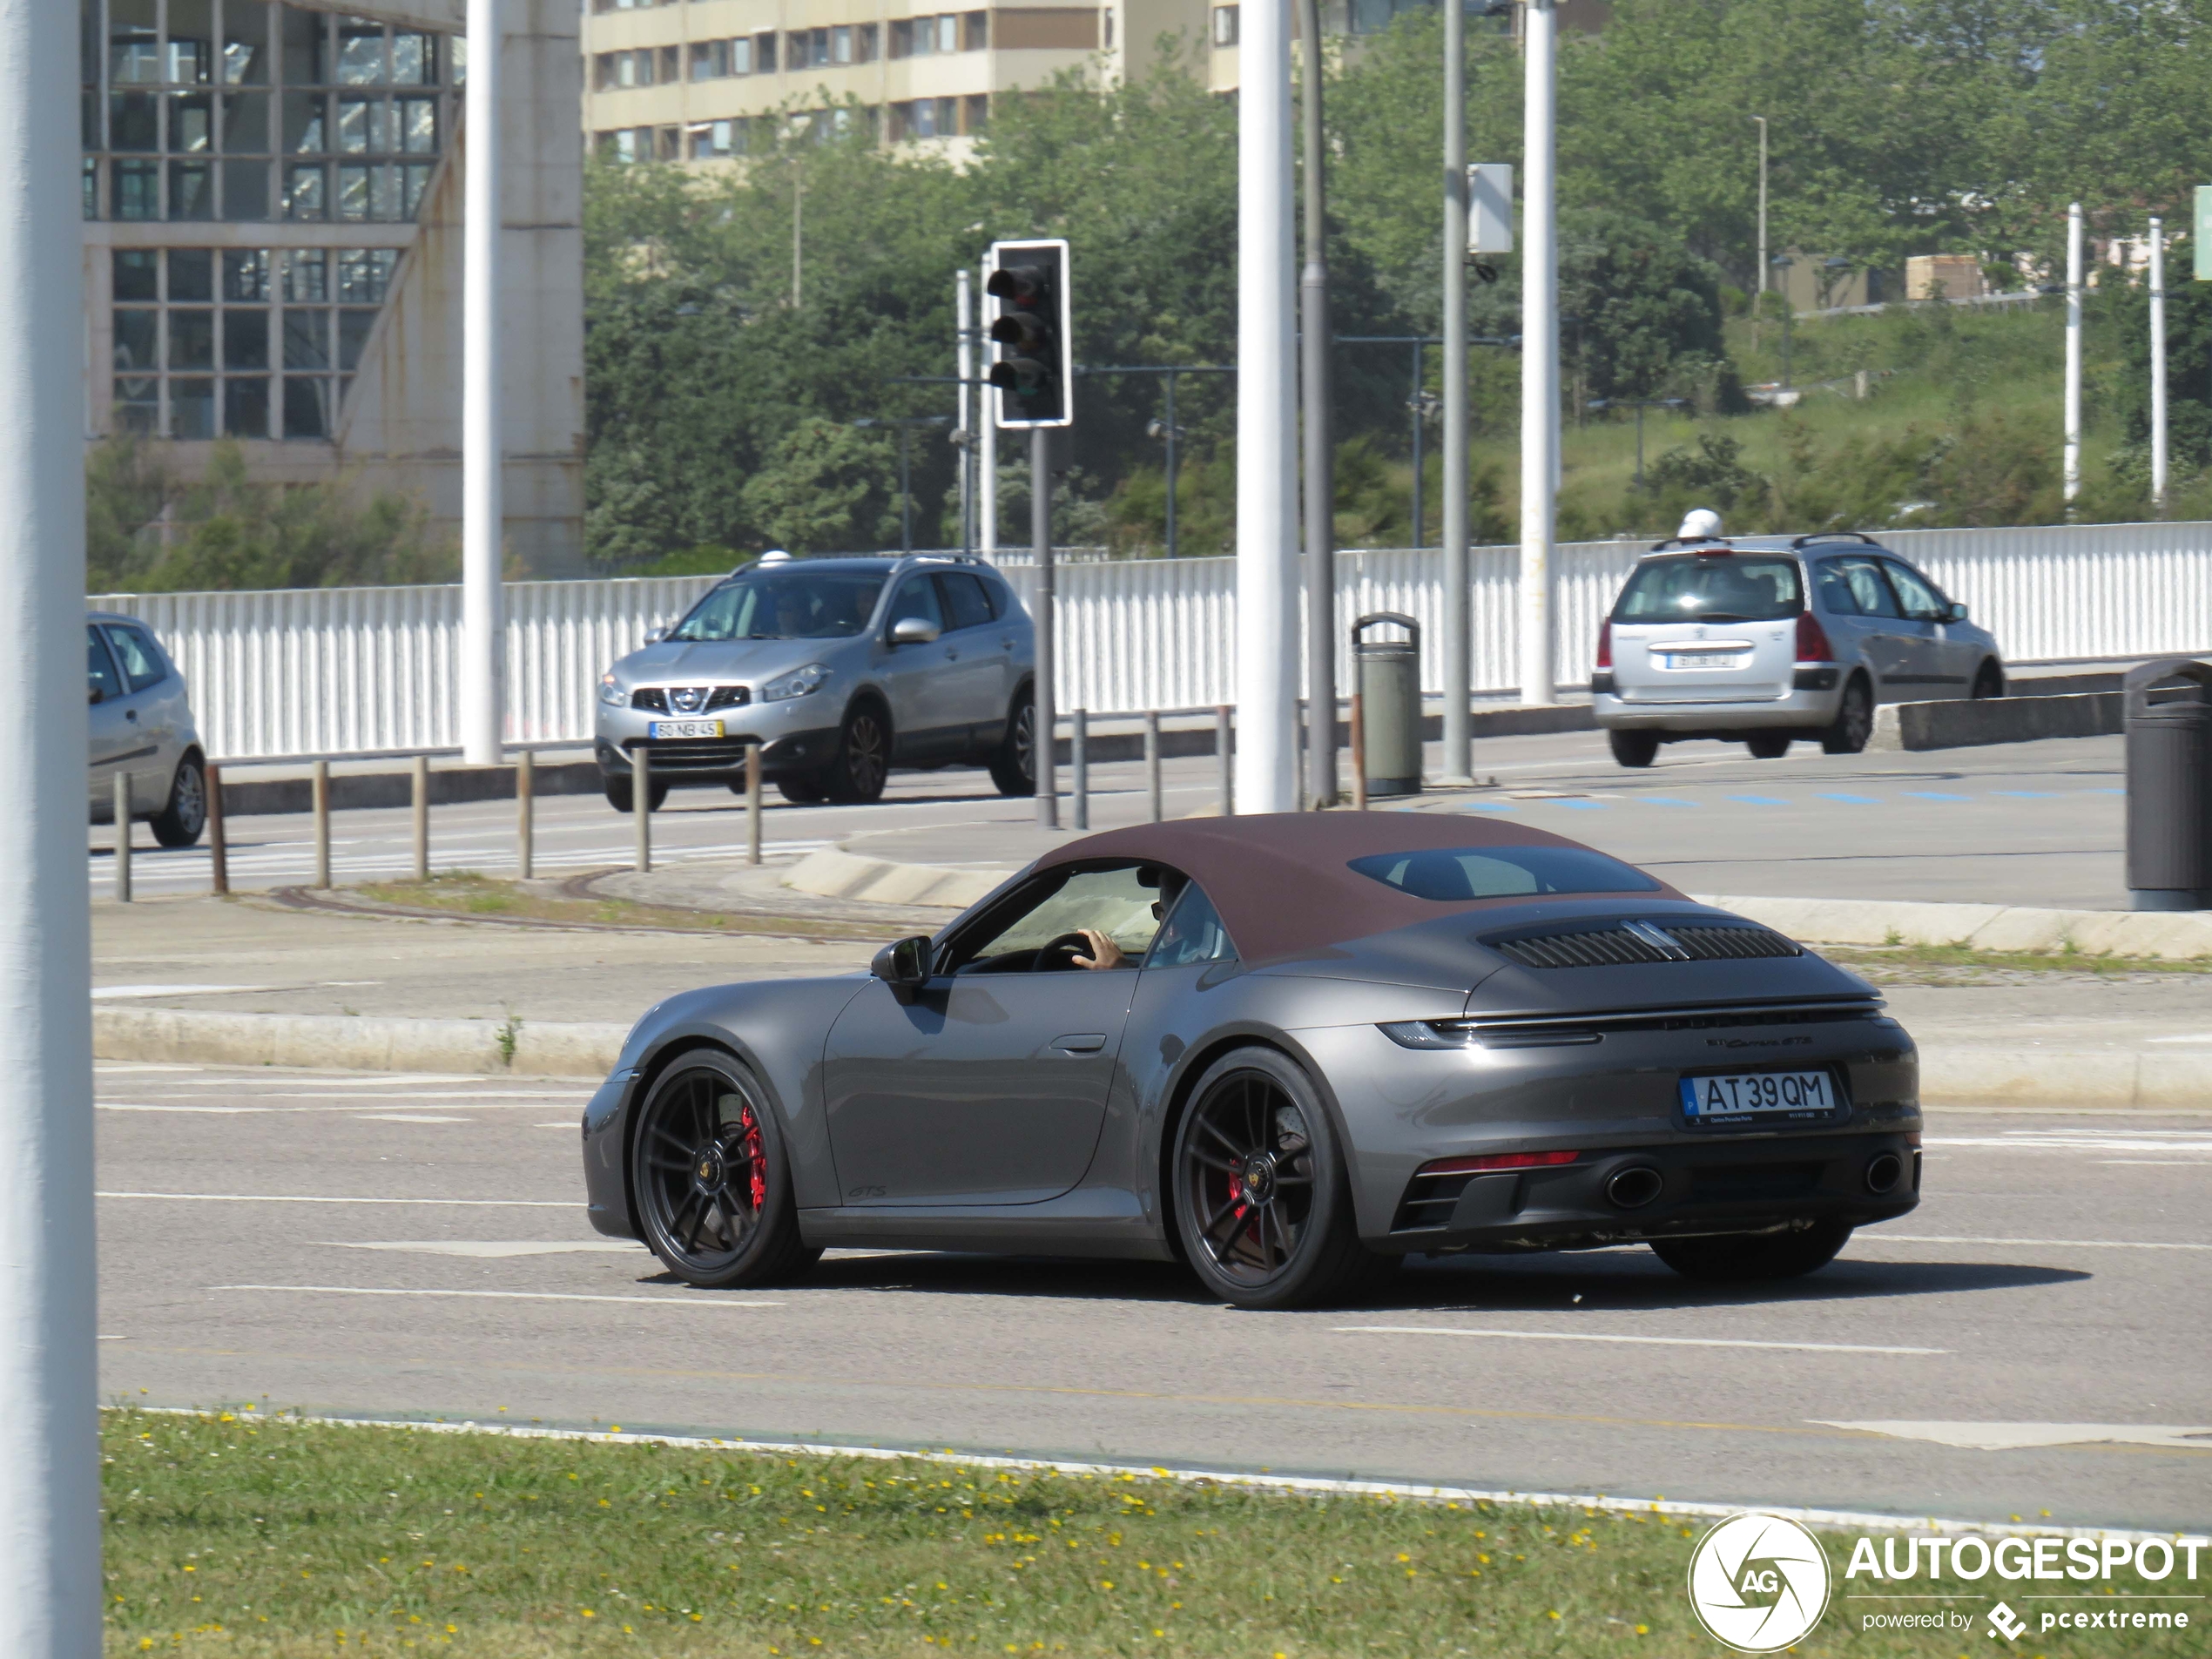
x=1627, y=1280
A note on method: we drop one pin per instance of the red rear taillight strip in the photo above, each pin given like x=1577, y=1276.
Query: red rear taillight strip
x=1489, y=1161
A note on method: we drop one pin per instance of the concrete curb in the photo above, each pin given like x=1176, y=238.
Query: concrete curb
x=2170, y=935
x=246, y=797
x=1965, y=722
x=343, y=1043
x=832, y=872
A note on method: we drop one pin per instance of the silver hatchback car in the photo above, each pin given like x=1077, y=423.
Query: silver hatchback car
x=838, y=669
x=142, y=726
x=1762, y=640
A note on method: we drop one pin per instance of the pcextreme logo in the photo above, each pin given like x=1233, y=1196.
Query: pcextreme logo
x=1759, y=1583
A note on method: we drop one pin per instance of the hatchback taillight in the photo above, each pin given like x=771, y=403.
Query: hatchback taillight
x=1605, y=644
x=1812, y=640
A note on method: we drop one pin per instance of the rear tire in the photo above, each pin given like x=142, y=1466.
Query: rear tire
x=712, y=1179
x=1014, y=763
x=1989, y=681
x=1633, y=748
x=179, y=823
x=1768, y=745
x=1262, y=1205
x=856, y=776
x=804, y=788
x=1854, y=721
x=1746, y=1258
x=621, y=795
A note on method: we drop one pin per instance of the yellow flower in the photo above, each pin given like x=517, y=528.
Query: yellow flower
x=1553, y=1614
x=1643, y=1630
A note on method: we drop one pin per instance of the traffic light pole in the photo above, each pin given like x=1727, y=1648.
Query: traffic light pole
x=1319, y=462
x=1044, y=763
x=1459, y=677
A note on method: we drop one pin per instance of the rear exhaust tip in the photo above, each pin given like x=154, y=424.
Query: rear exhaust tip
x=1633, y=1187
x=1883, y=1171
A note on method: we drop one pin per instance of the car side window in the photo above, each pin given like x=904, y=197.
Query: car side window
x=917, y=597
x=996, y=597
x=1834, y=587
x=1192, y=933
x=104, y=679
x=139, y=656
x=962, y=596
x=1120, y=901
x=1921, y=600
x=1869, y=588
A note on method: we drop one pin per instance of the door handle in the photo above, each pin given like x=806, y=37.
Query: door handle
x=951, y=656
x=130, y=715
x=1081, y=1042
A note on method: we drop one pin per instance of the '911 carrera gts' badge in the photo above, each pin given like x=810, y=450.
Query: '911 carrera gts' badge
x=1759, y=1583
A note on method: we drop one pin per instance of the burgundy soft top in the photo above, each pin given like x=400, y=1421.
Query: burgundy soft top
x=1283, y=881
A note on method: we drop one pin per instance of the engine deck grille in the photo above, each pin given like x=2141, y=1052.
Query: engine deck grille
x=1622, y=943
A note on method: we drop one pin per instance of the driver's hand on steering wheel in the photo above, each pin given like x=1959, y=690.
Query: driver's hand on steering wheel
x=1104, y=952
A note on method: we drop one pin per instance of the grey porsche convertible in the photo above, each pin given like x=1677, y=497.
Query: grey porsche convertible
x=1289, y=1051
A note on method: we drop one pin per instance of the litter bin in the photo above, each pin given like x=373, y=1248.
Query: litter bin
x=1388, y=675
x=2168, y=706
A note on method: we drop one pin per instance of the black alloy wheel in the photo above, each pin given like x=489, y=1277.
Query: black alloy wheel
x=1747, y=1259
x=1854, y=721
x=178, y=824
x=1014, y=763
x=1633, y=748
x=863, y=759
x=713, y=1190
x=1263, y=1207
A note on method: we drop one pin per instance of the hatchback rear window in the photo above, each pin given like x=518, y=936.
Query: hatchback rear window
x=1447, y=874
x=1710, y=587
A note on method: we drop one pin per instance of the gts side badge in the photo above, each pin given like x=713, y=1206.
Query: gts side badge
x=869, y=1192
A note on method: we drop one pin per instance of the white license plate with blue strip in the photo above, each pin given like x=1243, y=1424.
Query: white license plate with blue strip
x=1761, y=1096
x=684, y=728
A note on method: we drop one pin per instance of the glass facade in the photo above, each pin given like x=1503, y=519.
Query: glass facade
x=238, y=112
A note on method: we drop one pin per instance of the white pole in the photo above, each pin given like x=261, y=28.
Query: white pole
x=1761, y=119
x=1456, y=658
x=482, y=512
x=2158, y=366
x=987, y=460
x=964, y=357
x=50, y=1539
x=1539, y=355
x=2073, y=463
x=1267, y=653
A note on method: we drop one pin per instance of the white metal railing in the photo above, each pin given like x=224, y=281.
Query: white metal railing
x=356, y=671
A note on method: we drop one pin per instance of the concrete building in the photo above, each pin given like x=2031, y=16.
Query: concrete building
x=273, y=246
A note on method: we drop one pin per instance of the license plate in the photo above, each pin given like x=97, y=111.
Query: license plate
x=684, y=728
x=1761, y=1096
x=1705, y=659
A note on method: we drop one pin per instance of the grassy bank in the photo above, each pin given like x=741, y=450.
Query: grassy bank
x=234, y=1534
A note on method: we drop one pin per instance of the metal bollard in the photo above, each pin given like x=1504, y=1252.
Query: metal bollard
x=422, y=770
x=641, y=804
x=1224, y=746
x=1079, y=765
x=525, y=813
x=1152, y=761
x=219, y=845
x=123, y=836
x=753, y=802
x=318, y=782
x=1358, y=754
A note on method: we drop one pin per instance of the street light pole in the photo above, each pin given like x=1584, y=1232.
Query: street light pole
x=2158, y=366
x=49, y=1538
x=1267, y=665
x=1539, y=351
x=482, y=509
x=964, y=361
x=2071, y=482
x=1761, y=119
x=1321, y=471
x=1457, y=671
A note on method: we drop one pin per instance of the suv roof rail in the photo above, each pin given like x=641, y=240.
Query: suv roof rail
x=1720, y=542
x=1834, y=536
x=907, y=560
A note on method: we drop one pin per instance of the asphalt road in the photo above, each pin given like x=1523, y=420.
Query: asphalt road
x=2038, y=823
x=392, y=1245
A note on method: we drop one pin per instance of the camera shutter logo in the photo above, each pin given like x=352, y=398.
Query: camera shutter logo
x=1759, y=1583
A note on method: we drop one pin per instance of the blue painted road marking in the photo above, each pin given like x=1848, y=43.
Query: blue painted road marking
x=1935, y=794
x=2025, y=795
x=1666, y=800
x=1855, y=800
x=1760, y=800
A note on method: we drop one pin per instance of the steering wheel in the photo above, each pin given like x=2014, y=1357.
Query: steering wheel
x=1060, y=953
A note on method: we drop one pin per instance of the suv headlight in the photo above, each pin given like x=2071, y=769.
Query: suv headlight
x=798, y=682
x=610, y=693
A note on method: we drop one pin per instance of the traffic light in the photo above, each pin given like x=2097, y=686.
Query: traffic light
x=1035, y=368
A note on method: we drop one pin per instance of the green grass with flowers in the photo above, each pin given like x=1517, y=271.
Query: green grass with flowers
x=240, y=1533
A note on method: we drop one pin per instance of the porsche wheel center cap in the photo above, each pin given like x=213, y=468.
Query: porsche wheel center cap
x=1257, y=1177
x=706, y=1168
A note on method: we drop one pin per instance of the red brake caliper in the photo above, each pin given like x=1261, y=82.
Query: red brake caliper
x=756, y=1177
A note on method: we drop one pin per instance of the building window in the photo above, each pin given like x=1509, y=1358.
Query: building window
x=1225, y=25
x=710, y=59
x=976, y=118
x=670, y=70
x=976, y=31
x=764, y=54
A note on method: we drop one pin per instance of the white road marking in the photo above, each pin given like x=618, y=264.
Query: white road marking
x=409, y=1117
x=566, y=1126
x=486, y=1249
x=1584, y=1336
x=2194, y=1036
x=225, y=1111
x=2071, y=1243
x=2010, y=1437
x=2105, y=1143
x=105, y=993
x=2153, y=1163
x=264, y=1197
x=509, y=1296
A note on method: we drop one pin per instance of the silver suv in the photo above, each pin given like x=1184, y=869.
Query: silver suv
x=1761, y=640
x=838, y=669
x=142, y=726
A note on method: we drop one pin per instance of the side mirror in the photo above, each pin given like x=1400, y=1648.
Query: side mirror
x=654, y=635
x=904, y=967
x=914, y=631
x=98, y=695
x=1954, y=612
